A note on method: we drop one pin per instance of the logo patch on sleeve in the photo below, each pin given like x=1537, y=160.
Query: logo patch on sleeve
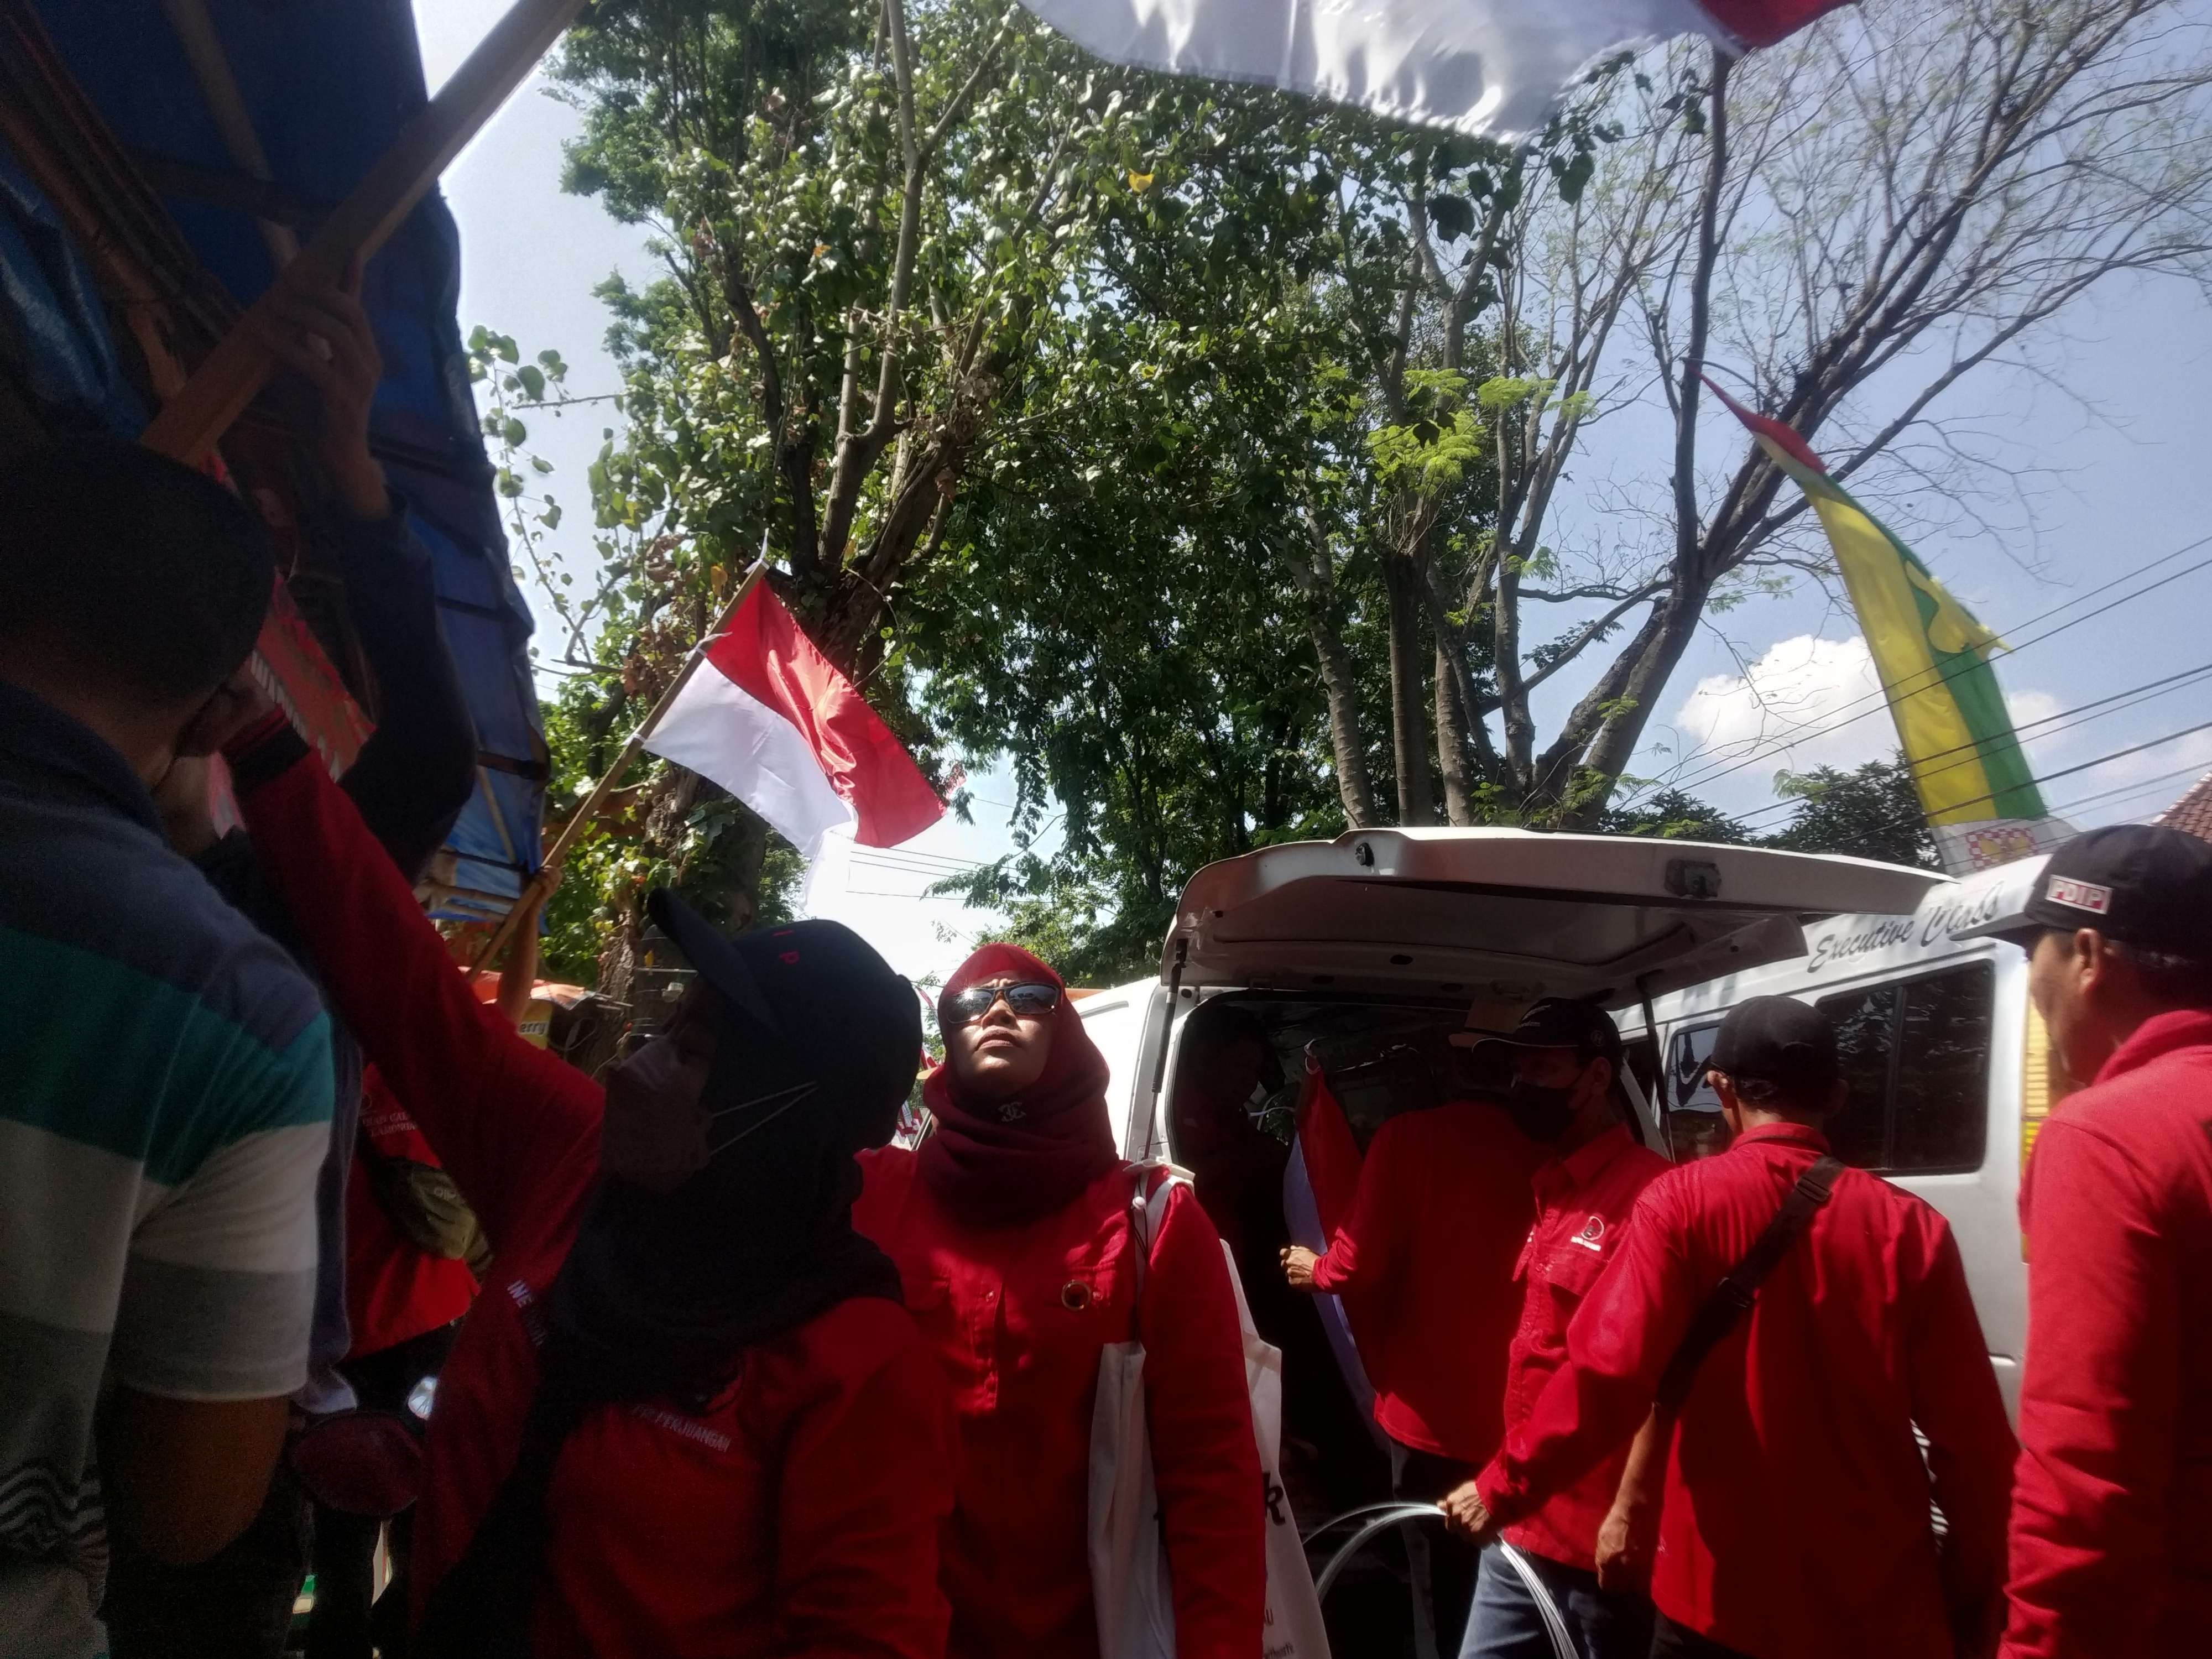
x=1592, y=1237
x=2079, y=895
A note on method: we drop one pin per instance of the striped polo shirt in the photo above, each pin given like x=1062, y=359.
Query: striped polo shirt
x=164, y=1103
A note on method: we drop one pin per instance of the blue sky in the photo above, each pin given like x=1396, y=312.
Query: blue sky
x=2132, y=488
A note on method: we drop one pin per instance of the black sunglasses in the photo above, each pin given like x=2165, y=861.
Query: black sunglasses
x=1025, y=1001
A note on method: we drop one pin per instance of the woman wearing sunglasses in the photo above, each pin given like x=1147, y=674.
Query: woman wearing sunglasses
x=1012, y=1231
x=687, y=1415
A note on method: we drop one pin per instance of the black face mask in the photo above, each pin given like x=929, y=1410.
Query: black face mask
x=1543, y=1113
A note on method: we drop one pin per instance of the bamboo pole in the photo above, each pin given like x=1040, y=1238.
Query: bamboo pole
x=225, y=382
x=212, y=69
x=541, y=885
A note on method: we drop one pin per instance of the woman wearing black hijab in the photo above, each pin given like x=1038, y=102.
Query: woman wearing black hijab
x=689, y=1415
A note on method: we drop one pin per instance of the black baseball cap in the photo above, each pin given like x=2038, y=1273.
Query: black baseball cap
x=1777, y=1040
x=1554, y=1023
x=2142, y=884
x=715, y=956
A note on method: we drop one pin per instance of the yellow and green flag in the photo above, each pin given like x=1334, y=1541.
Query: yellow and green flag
x=1933, y=658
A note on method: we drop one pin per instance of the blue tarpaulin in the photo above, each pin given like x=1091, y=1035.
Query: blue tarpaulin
x=328, y=86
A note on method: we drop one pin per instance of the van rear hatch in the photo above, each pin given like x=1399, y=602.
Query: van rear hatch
x=1511, y=914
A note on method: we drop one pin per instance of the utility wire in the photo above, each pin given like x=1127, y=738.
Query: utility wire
x=2118, y=702
x=1881, y=695
x=2068, y=771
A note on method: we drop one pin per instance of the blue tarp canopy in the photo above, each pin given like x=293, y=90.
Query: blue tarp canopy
x=328, y=86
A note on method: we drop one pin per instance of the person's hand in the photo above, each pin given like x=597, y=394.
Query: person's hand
x=1626, y=1540
x=1298, y=1266
x=181, y=798
x=1466, y=1516
x=320, y=333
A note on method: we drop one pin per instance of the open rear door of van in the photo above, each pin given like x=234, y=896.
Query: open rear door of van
x=1508, y=915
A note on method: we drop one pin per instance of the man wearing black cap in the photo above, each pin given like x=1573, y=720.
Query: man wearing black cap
x=2110, y=1553
x=1796, y=1518
x=1566, y=1060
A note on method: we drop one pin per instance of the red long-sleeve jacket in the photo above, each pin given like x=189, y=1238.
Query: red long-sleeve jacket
x=1018, y=1316
x=1797, y=1523
x=2111, y=1519
x=1427, y=1251
x=798, y=1515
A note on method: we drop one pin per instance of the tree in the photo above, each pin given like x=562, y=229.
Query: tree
x=1872, y=812
x=1857, y=221
x=1214, y=455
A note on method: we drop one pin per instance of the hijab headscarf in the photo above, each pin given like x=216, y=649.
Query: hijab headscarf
x=1000, y=1163
x=673, y=1275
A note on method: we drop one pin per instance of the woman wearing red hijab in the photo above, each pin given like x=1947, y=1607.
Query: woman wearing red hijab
x=1011, y=1229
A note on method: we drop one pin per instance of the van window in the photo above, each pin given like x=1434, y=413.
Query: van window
x=1695, y=1127
x=1916, y=1056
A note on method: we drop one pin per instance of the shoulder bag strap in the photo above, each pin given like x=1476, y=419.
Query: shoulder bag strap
x=1732, y=1298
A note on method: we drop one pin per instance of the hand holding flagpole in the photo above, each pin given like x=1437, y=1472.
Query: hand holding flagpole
x=532, y=899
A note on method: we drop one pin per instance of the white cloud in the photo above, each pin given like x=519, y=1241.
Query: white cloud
x=2026, y=707
x=1807, y=702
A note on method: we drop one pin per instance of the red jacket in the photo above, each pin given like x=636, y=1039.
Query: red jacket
x=1442, y=1210
x=2111, y=1520
x=1583, y=1202
x=395, y=1290
x=1797, y=1523
x=798, y=1515
x=1018, y=1316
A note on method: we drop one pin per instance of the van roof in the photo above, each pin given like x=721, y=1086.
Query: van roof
x=1512, y=915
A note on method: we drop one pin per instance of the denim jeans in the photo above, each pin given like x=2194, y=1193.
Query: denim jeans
x=1506, y=1624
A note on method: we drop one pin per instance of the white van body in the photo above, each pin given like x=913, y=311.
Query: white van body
x=1976, y=1105
x=1445, y=918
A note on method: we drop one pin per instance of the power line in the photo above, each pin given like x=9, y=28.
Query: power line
x=2133, y=697
x=2068, y=771
x=1882, y=693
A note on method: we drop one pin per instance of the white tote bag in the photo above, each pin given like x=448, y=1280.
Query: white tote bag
x=1128, y=1551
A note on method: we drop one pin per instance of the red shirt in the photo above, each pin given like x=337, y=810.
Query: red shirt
x=798, y=1514
x=2111, y=1519
x=394, y=1289
x=1797, y=1523
x=1018, y=1316
x=1442, y=1211
x=1584, y=1201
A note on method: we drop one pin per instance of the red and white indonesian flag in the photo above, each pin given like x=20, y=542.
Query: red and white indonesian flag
x=1493, y=69
x=765, y=715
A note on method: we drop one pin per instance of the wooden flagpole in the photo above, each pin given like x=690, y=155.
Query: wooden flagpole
x=225, y=381
x=541, y=885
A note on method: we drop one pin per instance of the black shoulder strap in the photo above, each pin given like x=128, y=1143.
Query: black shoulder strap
x=1732, y=1298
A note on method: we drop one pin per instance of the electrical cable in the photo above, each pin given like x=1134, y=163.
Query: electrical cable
x=2119, y=702
x=1881, y=694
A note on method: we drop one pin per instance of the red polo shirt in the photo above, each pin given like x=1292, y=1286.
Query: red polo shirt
x=1442, y=1209
x=1584, y=1201
x=1797, y=1523
x=1016, y=1317
x=2112, y=1553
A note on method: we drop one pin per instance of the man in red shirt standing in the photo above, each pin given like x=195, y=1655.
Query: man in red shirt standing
x=1796, y=1521
x=1566, y=1097
x=1442, y=1211
x=2110, y=1552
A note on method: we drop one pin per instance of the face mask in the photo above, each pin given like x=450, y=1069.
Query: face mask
x=1543, y=1113
x=654, y=1133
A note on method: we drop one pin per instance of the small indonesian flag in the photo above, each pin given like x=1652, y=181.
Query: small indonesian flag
x=1493, y=69
x=765, y=715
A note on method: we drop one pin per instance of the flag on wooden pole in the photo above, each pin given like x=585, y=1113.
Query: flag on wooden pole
x=766, y=715
x=1933, y=660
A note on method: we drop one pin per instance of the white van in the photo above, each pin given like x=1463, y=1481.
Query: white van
x=1363, y=955
x=1946, y=1062
x=1367, y=951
